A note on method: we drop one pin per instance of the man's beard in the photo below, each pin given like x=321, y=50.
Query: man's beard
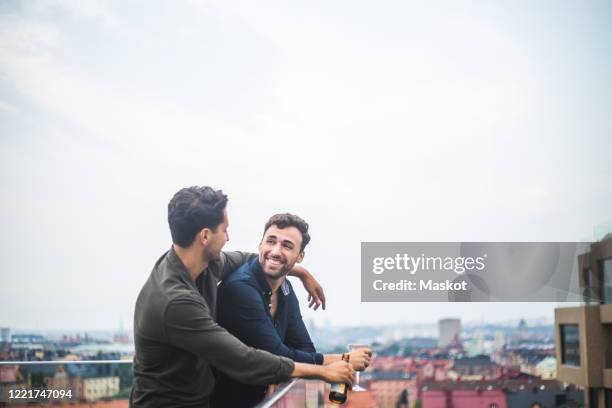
x=276, y=275
x=209, y=256
x=281, y=273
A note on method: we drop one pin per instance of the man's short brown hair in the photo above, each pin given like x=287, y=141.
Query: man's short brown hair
x=289, y=220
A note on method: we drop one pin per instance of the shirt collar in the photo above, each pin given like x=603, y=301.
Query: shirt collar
x=177, y=264
x=262, y=282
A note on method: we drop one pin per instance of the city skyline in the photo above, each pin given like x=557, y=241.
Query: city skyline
x=424, y=327
x=509, y=363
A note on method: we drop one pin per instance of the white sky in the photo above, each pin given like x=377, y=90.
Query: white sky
x=386, y=121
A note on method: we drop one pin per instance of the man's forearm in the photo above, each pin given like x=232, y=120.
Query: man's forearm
x=299, y=272
x=331, y=358
x=316, y=296
x=338, y=372
x=303, y=370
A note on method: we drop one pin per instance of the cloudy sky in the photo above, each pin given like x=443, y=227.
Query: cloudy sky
x=385, y=121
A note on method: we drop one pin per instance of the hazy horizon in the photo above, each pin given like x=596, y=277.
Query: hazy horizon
x=531, y=322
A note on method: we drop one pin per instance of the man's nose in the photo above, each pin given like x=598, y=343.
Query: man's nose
x=276, y=250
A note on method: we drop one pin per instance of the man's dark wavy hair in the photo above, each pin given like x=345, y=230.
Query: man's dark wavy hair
x=289, y=220
x=194, y=208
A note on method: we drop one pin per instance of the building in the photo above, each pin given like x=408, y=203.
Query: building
x=449, y=331
x=11, y=379
x=5, y=334
x=547, y=368
x=500, y=340
x=464, y=399
x=100, y=387
x=525, y=392
x=27, y=339
x=389, y=387
x=361, y=399
x=583, y=334
x=476, y=368
x=121, y=336
x=544, y=398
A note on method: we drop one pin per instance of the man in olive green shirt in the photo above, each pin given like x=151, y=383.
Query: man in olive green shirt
x=175, y=333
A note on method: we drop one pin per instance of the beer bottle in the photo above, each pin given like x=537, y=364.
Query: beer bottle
x=339, y=391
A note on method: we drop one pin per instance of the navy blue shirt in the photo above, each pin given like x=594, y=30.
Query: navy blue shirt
x=243, y=309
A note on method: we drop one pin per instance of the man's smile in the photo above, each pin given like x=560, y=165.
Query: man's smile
x=274, y=262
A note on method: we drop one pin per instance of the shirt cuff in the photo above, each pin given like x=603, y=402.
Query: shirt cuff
x=318, y=358
x=286, y=367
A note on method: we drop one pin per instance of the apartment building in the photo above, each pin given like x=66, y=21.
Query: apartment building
x=584, y=333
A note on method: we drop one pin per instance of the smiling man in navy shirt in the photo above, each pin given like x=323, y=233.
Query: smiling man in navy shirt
x=258, y=305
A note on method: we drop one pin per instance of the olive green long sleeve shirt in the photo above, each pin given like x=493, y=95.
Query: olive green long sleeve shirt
x=177, y=339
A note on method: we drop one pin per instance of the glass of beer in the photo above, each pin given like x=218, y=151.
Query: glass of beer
x=353, y=347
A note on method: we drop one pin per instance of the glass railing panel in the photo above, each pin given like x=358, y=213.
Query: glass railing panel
x=66, y=383
x=107, y=383
x=297, y=393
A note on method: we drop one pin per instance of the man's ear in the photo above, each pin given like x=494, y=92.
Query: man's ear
x=204, y=235
x=300, y=257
